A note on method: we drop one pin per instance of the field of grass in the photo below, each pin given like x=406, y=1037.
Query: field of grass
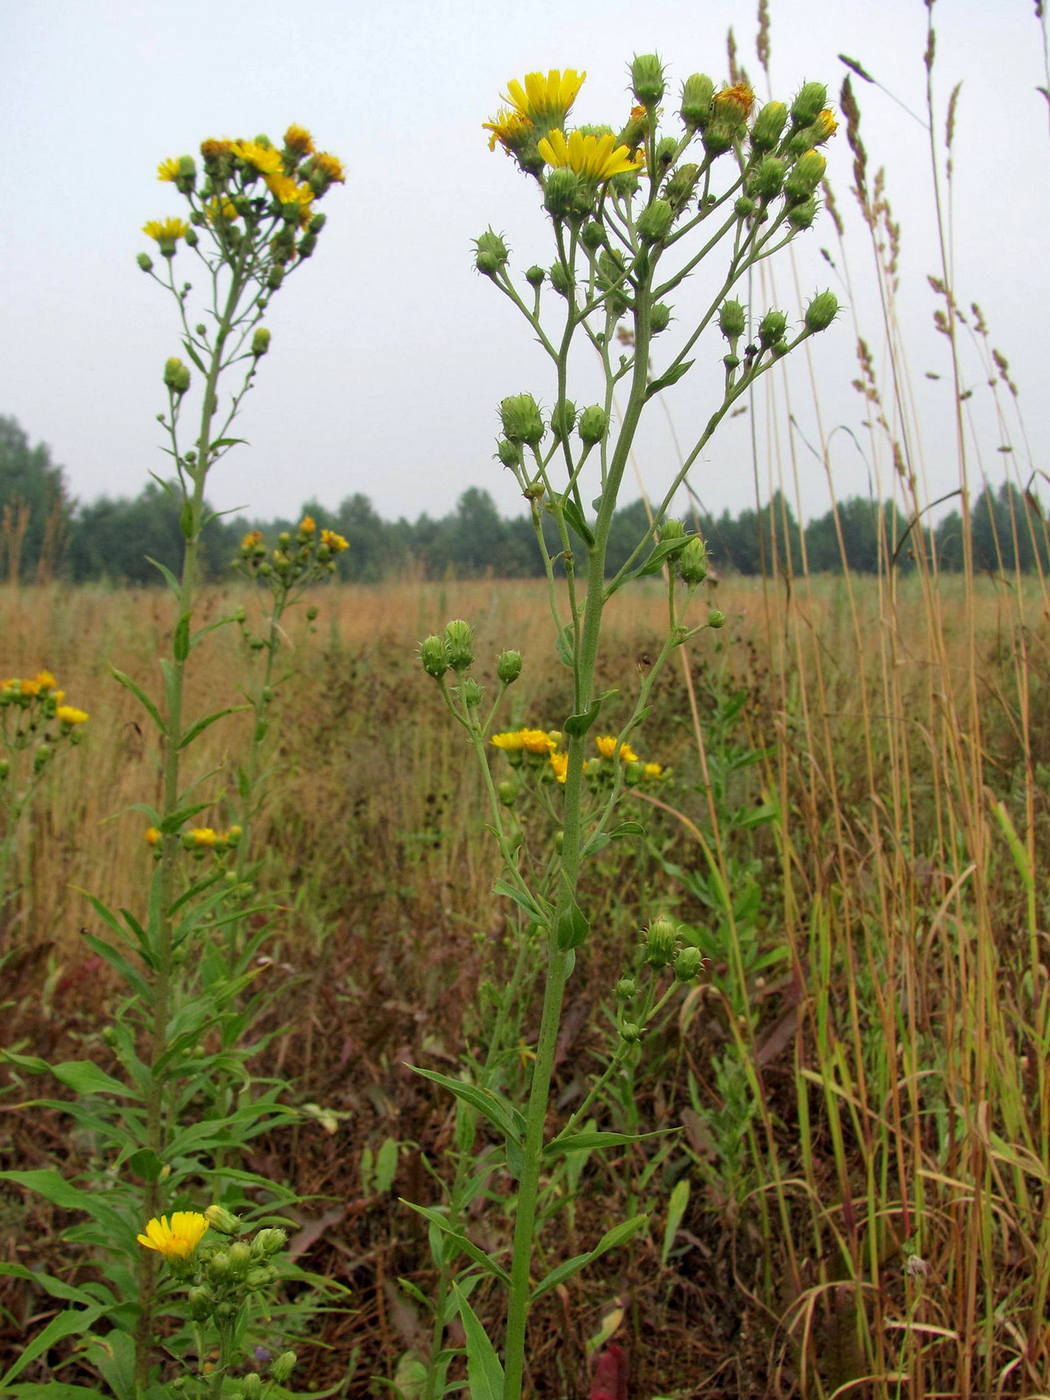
x=853, y=1199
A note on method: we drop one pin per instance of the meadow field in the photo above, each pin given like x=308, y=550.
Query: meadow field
x=850, y=827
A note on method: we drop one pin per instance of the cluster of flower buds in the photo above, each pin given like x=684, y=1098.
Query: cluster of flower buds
x=33, y=714
x=663, y=947
x=295, y=562
x=251, y=198
x=453, y=650
x=200, y=840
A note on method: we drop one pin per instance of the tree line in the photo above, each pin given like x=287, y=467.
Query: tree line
x=44, y=533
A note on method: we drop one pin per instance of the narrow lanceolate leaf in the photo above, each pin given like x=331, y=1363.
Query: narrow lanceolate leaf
x=66, y=1324
x=587, y=1142
x=675, y=1211
x=499, y=1111
x=195, y=730
x=612, y=1239
x=467, y=1246
x=141, y=696
x=82, y=1076
x=672, y=376
x=484, y=1371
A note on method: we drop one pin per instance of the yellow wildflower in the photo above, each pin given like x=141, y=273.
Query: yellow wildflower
x=560, y=764
x=220, y=209
x=177, y=1240
x=29, y=688
x=286, y=191
x=545, y=101
x=825, y=126
x=168, y=169
x=335, y=542
x=252, y=540
x=593, y=157
x=537, y=741
x=212, y=150
x=262, y=158
x=151, y=836
x=166, y=230
x=308, y=525
x=202, y=836
x=606, y=745
x=510, y=129
x=45, y=680
x=652, y=771
x=69, y=714
x=734, y=103
x=331, y=166
x=299, y=140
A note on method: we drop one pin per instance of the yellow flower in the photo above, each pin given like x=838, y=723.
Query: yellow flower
x=286, y=191
x=69, y=714
x=166, y=230
x=201, y=836
x=177, y=1240
x=220, y=209
x=560, y=764
x=652, y=771
x=168, y=169
x=307, y=525
x=213, y=150
x=299, y=140
x=45, y=680
x=593, y=157
x=252, y=540
x=606, y=745
x=510, y=129
x=734, y=103
x=509, y=742
x=530, y=740
x=545, y=101
x=151, y=835
x=29, y=687
x=335, y=542
x=825, y=126
x=264, y=159
x=331, y=166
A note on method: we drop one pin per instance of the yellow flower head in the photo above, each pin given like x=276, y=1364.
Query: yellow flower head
x=734, y=104
x=825, y=126
x=510, y=129
x=45, y=680
x=202, y=836
x=151, y=836
x=606, y=745
x=168, y=169
x=219, y=211
x=652, y=771
x=177, y=1240
x=560, y=764
x=331, y=166
x=299, y=140
x=545, y=101
x=166, y=230
x=69, y=714
x=593, y=157
x=252, y=540
x=286, y=191
x=213, y=150
x=335, y=542
x=536, y=741
x=308, y=525
x=262, y=158
x=30, y=687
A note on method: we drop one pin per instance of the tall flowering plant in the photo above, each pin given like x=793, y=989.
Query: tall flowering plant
x=633, y=212
x=173, y=1124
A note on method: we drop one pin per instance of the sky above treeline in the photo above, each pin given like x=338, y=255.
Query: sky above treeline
x=390, y=353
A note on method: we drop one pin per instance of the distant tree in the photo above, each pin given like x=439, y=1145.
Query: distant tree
x=116, y=539
x=35, y=508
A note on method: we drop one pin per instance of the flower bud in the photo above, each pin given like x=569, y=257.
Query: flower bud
x=647, y=79
x=660, y=939
x=508, y=666
x=471, y=693
x=771, y=328
x=176, y=376
x=680, y=186
x=692, y=562
x=821, y=311
x=459, y=645
x=283, y=1366
x=801, y=216
x=655, y=220
x=716, y=619
x=804, y=177
x=631, y=1033
x=594, y=423
x=260, y=342
x=766, y=180
x=561, y=192
x=770, y=122
x=191, y=237
x=145, y=262
x=219, y=1264
x=697, y=92
x=731, y=320
x=491, y=253
x=665, y=150
x=240, y=1255
x=268, y=1242
x=626, y=988
x=252, y=1385
x=718, y=137
x=200, y=1301
x=659, y=317
x=559, y=275
x=509, y=453
x=521, y=419
x=592, y=236
x=672, y=530
x=433, y=657
x=562, y=418
x=535, y=275
x=808, y=105
x=222, y=1220
x=688, y=964
x=743, y=207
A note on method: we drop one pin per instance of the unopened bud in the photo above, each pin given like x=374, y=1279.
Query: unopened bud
x=145, y=262
x=521, y=419
x=697, y=92
x=672, y=530
x=659, y=317
x=808, y=105
x=660, y=939
x=176, y=376
x=562, y=418
x=592, y=236
x=509, y=453
x=716, y=619
x=626, y=988
x=267, y=1242
x=766, y=180
x=768, y=125
x=688, y=964
x=692, y=562
x=647, y=79
x=561, y=192
x=222, y=1220
x=260, y=342
x=433, y=657
x=534, y=275
x=491, y=253
x=631, y=1033
x=283, y=1366
x=771, y=328
x=471, y=693
x=560, y=280
x=731, y=320
x=821, y=311
x=459, y=645
x=804, y=177
x=508, y=666
x=801, y=216
x=593, y=425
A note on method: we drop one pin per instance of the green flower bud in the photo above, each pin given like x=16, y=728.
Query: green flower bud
x=659, y=317
x=41, y=758
x=306, y=245
x=145, y=262
x=631, y=1033
x=672, y=530
x=559, y=275
x=660, y=939
x=222, y=1220
x=647, y=79
x=509, y=453
x=267, y=1242
x=186, y=175
x=768, y=126
x=508, y=792
x=219, y=1264
x=563, y=418
x=433, y=657
x=459, y=645
x=252, y=1384
x=801, y=216
x=821, y=311
x=240, y=1257
x=260, y=1277
x=508, y=666
x=471, y=693
x=192, y=238
x=594, y=422
x=200, y=1301
x=592, y=236
x=535, y=275
x=716, y=619
x=804, y=177
x=680, y=186
x=275, y=278
x=718, y=137
x=626, y=989
x=5, y=769
x=771, y=328
x=561, y=193
x=260, y=342
x=808, y=105
x=521, y=419
x=692, y=562
x=655, y=220
x=744, y=207
x=176, y=376
x=688, y=964
x=766, y=180
x=697, y=92
x=665, y=149
x=491, y=253
x=317, y=223
x=731, y=320
x=282, y=1368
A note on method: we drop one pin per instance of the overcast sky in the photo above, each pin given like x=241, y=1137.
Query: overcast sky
x=390, y=354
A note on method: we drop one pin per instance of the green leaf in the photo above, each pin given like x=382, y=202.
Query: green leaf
x=52, y=1286
x=484, y=1370
x=587, y=1142
x=146, y=1164
x=66, y=1324
x=82, y=1076
x=195, y=730
x=492, y=1106
x=386, y=1164
x=598, y=842
x=54, y=1390
x=580, y=723
x=141, y=696
x=131, y=976
x=180, y=642
x=661, y=552
x=571, y=927
x=574, y=516
x=56, y=1189
x=467, y=1246
x=612, y=1239
x=226, y=442
x=676, y=1207
x=627, y=829
x=563, y=646
x=190, y=349
x=521, y=898
x=169, y=577
x=672, y=376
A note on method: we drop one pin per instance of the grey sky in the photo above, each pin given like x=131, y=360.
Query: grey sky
x=390, y=353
